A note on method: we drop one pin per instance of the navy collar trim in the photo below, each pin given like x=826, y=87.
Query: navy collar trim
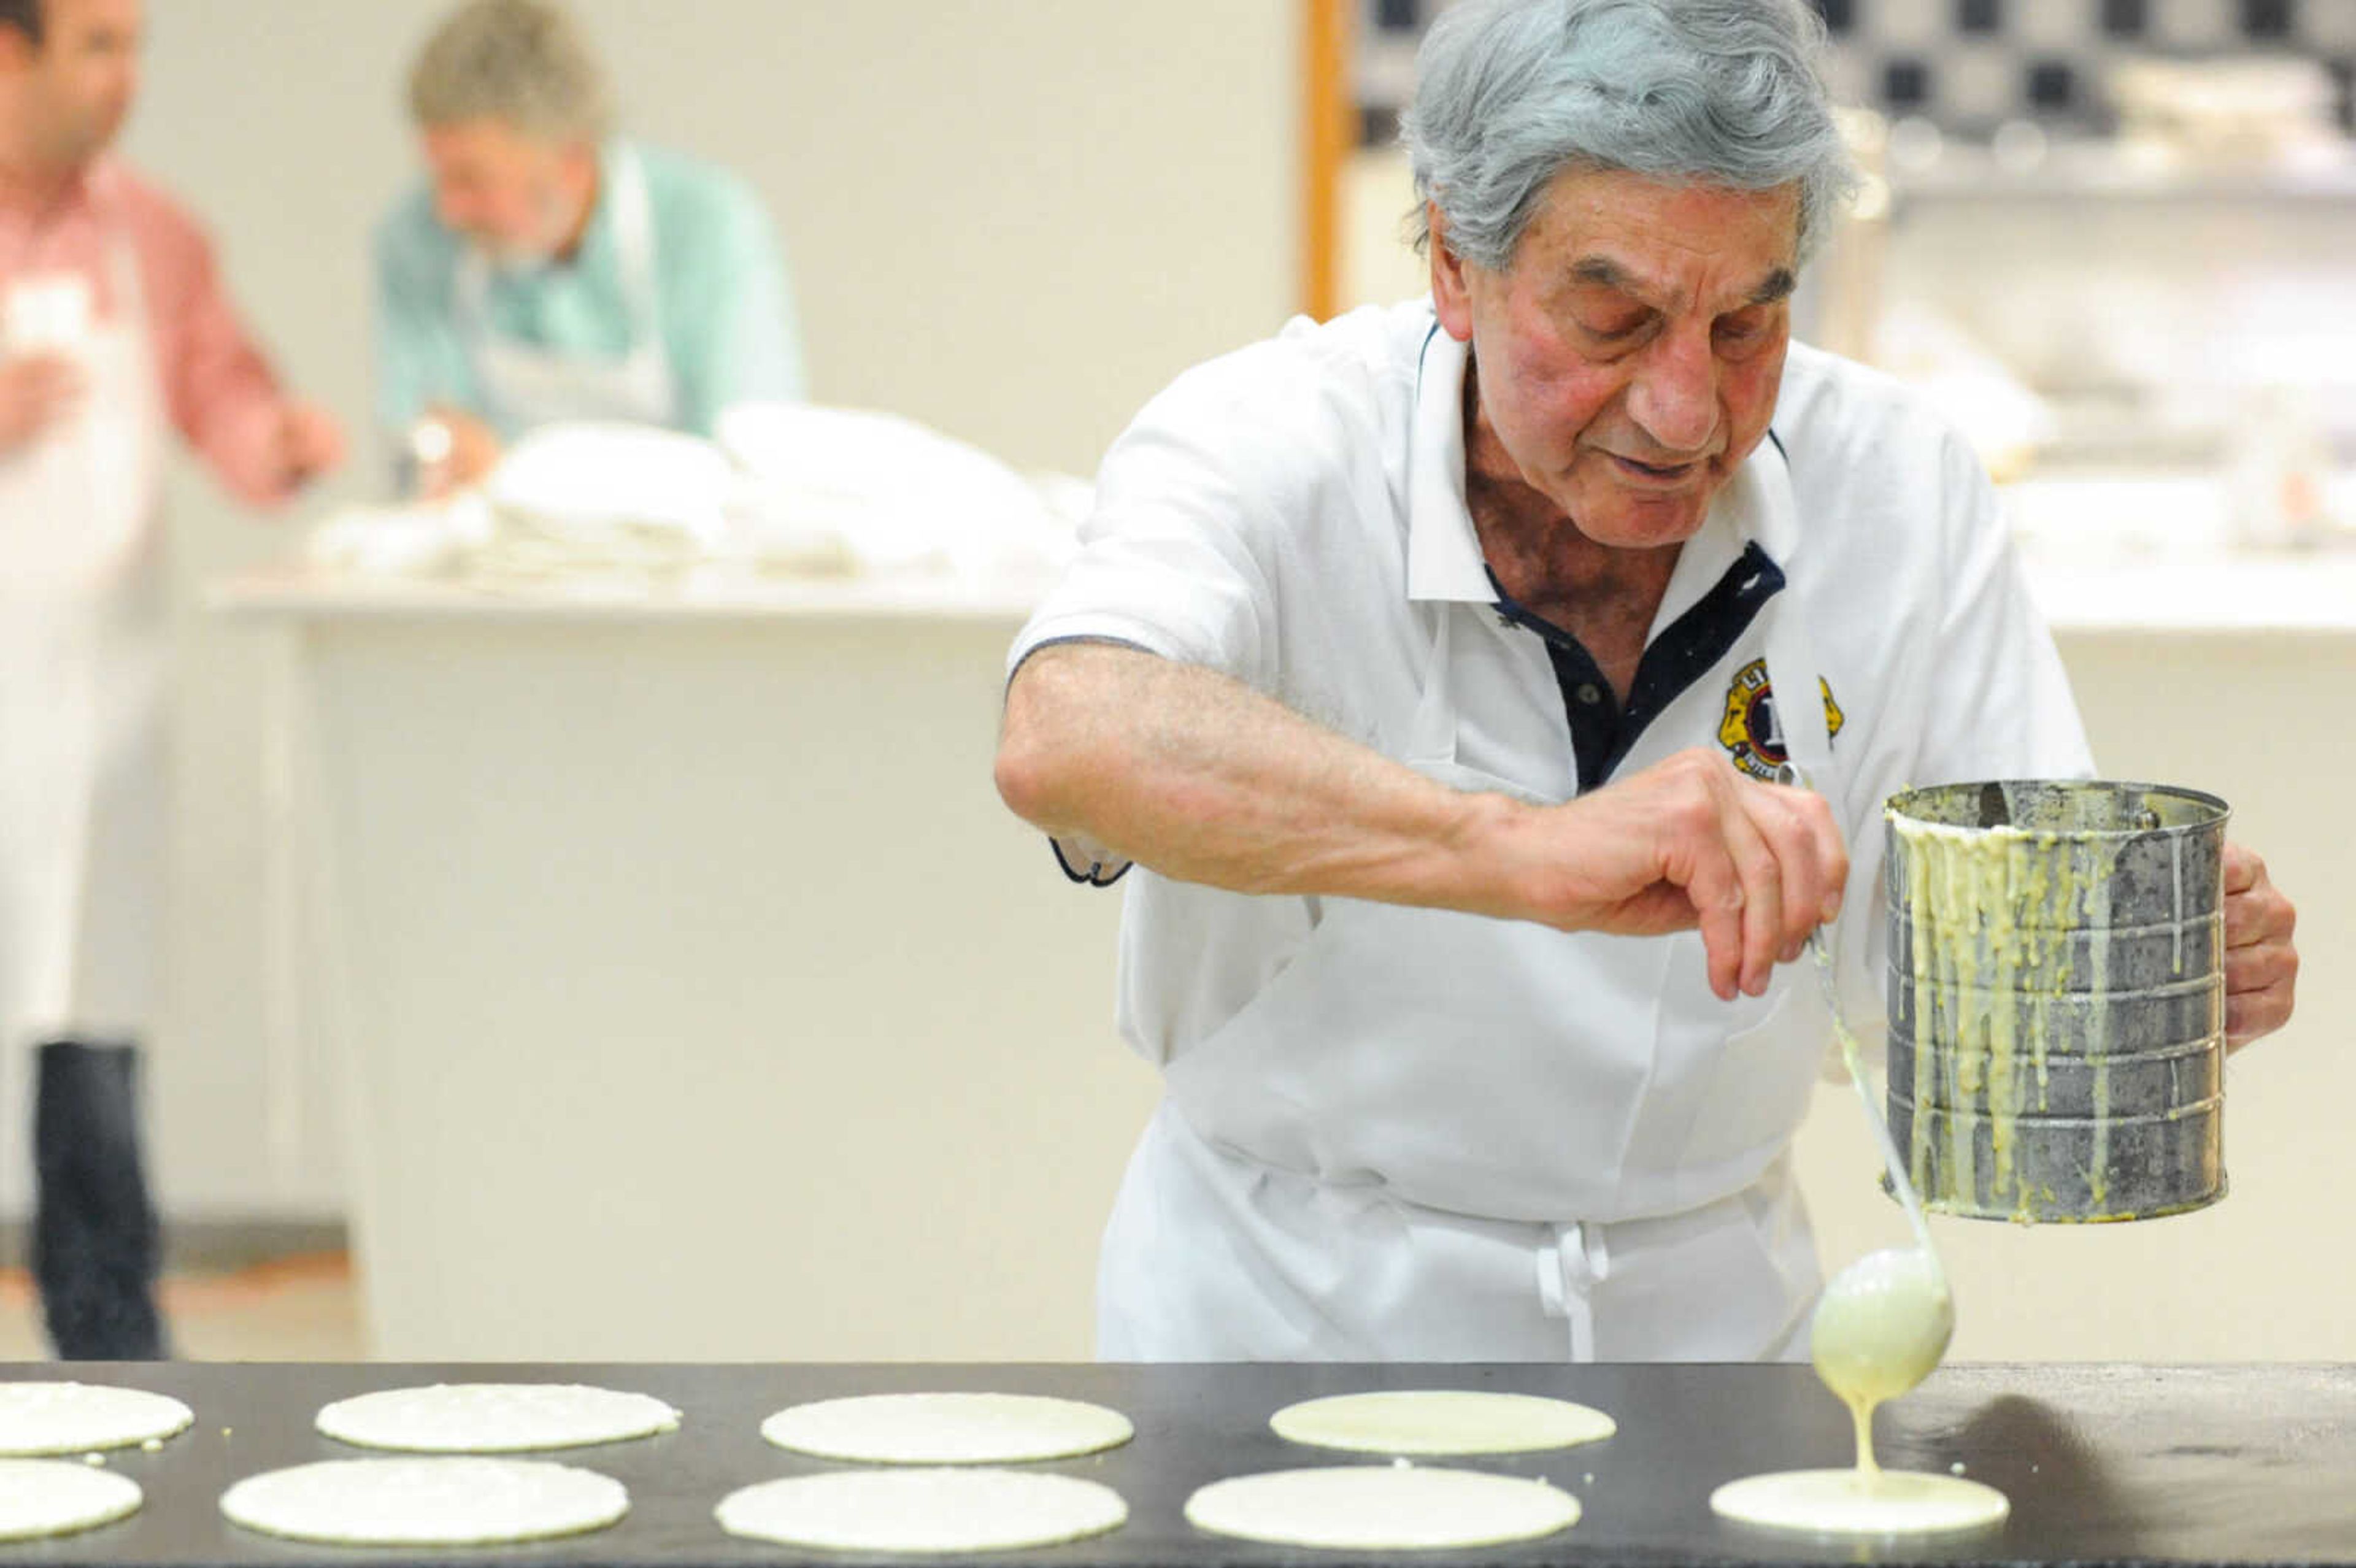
x=1603, y=733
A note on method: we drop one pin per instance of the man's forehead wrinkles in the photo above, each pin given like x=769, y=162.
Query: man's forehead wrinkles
x=1604, y=271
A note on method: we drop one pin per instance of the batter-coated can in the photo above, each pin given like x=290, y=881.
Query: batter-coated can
x=2057, y=997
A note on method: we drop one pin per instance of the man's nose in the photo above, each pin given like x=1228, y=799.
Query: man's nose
x=1674, y=395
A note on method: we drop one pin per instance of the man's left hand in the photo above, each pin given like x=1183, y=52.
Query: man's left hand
x=310, y=442
x=2261, y=966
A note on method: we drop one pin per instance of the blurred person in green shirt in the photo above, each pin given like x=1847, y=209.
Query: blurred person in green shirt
x=550, y=269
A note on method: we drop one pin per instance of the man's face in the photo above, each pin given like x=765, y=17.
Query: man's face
x=517, y=199
x=1627, y=358
x=80, y=80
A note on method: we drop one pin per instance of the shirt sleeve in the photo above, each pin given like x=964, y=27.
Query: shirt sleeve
x=2000, y=697
x=418, y=358
x=733, y=335
x=1174, y=555
x=222, y=395
x=1994, y=703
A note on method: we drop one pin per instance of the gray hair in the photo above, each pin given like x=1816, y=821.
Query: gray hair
x=524, y=62
x=1511, y=93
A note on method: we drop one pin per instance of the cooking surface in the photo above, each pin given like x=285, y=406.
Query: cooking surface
x=2115, y=1463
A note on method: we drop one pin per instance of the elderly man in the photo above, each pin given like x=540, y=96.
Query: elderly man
x=1434, y=664
x=117, y=332
x=551, y=269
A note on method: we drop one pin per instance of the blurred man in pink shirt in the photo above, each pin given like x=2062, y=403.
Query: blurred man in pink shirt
x=114, y=330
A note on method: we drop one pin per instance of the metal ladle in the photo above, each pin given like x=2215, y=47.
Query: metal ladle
x=1885, y=1321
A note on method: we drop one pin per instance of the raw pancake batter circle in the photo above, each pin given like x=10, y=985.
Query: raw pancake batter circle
x=952, y=1509
x=1381, y=1507
x=77, y=1418
x=1440, y=1421
x=494, y=1418
x=51, y=1496
x=1859, y=1502
x=425, y=1502
x=947, y=1428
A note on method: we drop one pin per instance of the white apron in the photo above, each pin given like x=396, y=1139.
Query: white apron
x=1439, y=1137
x=525, y=385
x=83, y=643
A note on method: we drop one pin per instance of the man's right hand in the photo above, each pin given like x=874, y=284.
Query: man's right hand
x=37, y=392
x=1688, y=842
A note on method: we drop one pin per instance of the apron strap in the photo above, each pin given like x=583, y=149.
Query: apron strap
x=1794, y=676
x=1805, y=735
x=1431, y=733
x=1568, y=1271
x=634, y=250
x=470, y=291
x=1799, y=695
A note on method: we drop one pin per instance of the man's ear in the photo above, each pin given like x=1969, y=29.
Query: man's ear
x=1452, y=297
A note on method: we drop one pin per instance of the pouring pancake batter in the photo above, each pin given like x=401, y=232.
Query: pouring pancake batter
x=1880, y=1328
x=1427, y=662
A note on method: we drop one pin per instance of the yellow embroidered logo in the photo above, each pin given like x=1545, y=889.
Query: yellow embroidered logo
x=1749, y=732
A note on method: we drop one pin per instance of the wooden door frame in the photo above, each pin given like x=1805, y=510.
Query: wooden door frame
x=1329, y=126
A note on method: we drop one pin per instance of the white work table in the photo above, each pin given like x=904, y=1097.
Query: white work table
x=698, y=999
x=2274, y=593
x=696, y=996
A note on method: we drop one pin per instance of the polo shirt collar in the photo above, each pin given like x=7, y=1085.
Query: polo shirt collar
x=1755, y=507
x=1443, y=552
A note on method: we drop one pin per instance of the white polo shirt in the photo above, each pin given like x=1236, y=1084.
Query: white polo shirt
x=1293, y=514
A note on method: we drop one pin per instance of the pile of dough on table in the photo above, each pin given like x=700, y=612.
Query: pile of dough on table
x=779, y=489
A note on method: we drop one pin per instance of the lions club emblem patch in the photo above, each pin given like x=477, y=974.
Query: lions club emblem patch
x=1748, y=731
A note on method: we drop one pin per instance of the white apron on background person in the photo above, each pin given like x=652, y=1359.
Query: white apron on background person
x=525, y=385
x=82, y=744
x=1320, y=1182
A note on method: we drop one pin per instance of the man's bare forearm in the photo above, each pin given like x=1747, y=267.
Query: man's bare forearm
x=1203, y=779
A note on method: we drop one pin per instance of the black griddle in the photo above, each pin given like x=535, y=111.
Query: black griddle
x=2104, y=1464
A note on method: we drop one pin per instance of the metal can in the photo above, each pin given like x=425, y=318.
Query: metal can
x=2057, y=997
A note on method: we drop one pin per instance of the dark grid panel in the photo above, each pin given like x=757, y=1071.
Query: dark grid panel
x=1970, y=65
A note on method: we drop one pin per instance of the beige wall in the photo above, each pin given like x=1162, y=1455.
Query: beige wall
x=2262, y=1276
x=1015, y=223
